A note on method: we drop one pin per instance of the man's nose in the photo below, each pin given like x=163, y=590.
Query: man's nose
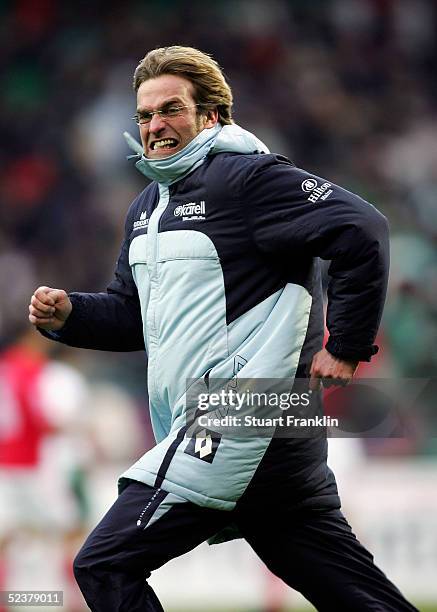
x=156, y=123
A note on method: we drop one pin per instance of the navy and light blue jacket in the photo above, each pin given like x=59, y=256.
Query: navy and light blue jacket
x=218, y=274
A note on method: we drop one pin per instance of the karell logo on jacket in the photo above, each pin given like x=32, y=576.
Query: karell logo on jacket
x=142, y=222
x=191, y=211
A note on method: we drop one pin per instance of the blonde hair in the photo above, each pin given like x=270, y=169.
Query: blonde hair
x=210, y=86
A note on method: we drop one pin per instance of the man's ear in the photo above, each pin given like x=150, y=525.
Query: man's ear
x=211, y=117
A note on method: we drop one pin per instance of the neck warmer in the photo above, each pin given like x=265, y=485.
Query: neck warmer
x=210, y=141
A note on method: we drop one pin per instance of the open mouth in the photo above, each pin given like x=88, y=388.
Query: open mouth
x=165, y=144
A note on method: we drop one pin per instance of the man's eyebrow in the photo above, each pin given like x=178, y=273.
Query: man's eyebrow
x=166, y=103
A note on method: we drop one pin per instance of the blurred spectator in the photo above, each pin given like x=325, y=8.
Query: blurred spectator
x=44, y=451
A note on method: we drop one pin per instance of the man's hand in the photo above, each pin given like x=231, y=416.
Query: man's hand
x=331, y=370
x=49, y=308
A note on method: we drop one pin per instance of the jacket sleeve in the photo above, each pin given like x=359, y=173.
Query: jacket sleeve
x=108, y=321
x=296, y=214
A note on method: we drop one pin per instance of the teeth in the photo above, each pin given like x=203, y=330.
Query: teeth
x=163, y=143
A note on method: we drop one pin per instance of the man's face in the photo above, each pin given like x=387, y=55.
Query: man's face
x=164, y=137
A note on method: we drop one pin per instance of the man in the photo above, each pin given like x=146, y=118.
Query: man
x=42, y=402
x=217, y=279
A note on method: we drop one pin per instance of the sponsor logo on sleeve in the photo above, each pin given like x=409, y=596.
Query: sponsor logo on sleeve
x=316, y=192
x=309, y=185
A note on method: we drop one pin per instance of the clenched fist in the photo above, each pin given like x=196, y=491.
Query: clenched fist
x=330, y=370
x=49, y=308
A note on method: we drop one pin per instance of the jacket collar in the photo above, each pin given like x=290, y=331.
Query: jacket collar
x=218, y=139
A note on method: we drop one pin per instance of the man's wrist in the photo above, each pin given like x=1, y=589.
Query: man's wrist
x=348, y=351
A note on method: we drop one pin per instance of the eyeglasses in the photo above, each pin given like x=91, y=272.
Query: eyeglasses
x=165, y=113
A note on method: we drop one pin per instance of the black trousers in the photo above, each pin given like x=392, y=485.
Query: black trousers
x=313, y=551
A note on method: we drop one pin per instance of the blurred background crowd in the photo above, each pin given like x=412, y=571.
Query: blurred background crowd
x=344, y=88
